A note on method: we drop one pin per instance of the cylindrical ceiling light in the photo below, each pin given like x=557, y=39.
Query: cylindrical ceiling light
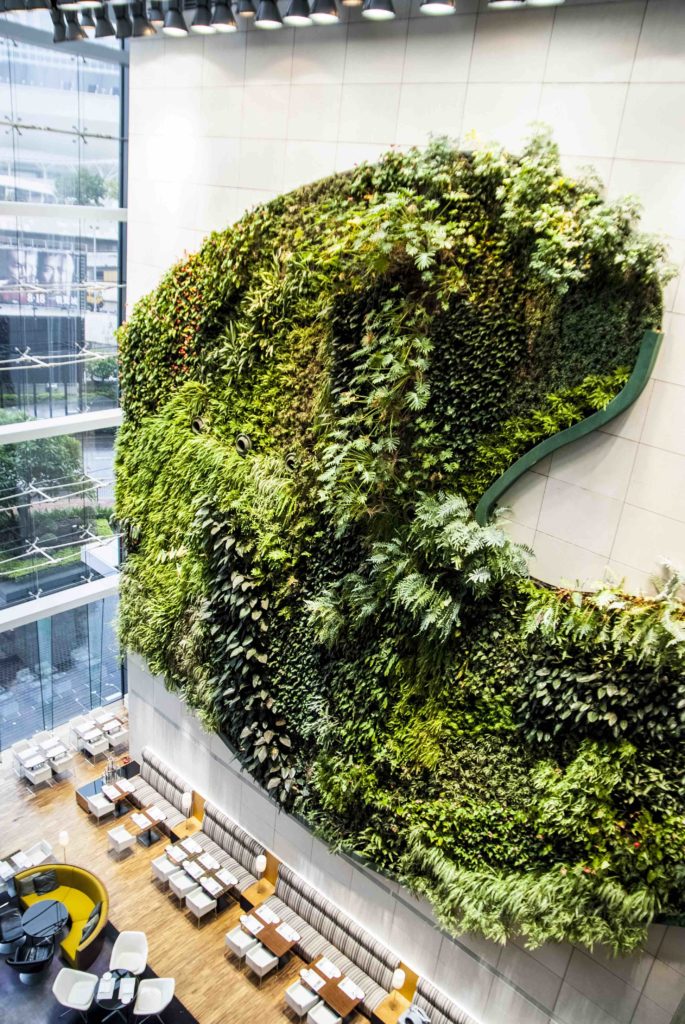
x=202, y=22
x=124, y=28
x=503, y=5
x=378, y=10
x=174, y=22
x=437, y=8
x=544, y=3
x=352, y=3
x=141, y=23
x=156, y=14
x=246, y=9
x=59, y=30
x=87, y=21
x=268, y=15
x=325, y=12
x=223, y=18
x=103, y=26
x=74, y=31
x=297, y=15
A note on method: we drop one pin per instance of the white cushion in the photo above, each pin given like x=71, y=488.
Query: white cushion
x=133, y=962
x=81, y=994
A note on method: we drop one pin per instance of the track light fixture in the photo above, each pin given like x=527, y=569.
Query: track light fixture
x=103, y=26
x=59, y=29
x=141, y=22
x=124, y=28
x=246, y=9
x=74, y=31
x=437, y=8
x=223, y=18
x=268, y=15
x=202, y=22
x=156, y=14
x=378, y=10
x=174, y=22
x=297, y=15
x=325, y=12
x=87, y=21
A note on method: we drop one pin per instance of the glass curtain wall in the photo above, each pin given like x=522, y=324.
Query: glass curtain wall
x=61, y=242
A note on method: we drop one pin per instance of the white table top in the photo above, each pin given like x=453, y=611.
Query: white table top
x=34, y=762
x=28, y=754
x=94, y=734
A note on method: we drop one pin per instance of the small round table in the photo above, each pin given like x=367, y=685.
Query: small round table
x=114, y=1003
x=44, y=919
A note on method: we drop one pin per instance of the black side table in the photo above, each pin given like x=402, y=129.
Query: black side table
x=114, y=1003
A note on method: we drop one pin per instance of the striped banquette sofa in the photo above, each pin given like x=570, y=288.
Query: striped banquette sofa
x=326, y=931
x=231, y=845
x=159, y=784
x=438, y=1006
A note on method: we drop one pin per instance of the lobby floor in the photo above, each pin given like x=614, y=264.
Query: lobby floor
x=210, y=986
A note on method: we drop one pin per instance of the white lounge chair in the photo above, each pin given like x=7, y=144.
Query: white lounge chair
x=182, y=885
x=239, y=942
x=120, y=840
x=100, y=806
x=40, y=853
x=322, y=1014
x=300, y=999
x=154, y=995
x=261, y=961
x=200, y=904
x=129, y=952
x=163, y=869
x=75, y=990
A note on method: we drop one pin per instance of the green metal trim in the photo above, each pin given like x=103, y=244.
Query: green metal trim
x=634, y=386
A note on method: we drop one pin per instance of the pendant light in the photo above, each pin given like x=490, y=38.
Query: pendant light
x=59, y=30
x=124, y=28
x=503, y=5
x=156, y=14
x=378, y=10
x=174, y=22
x=352, y=3
x=202, y=22
x=437, y=8
x=103, y=26
x=268, y=16
x=87, y=21
x=544, y=3
x=246, y=9
x=141, y=23
x=223, y=18
x=325, y=12
x=297, y=15
x=74, y=31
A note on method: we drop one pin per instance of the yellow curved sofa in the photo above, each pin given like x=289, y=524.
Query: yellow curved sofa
x=79, y=890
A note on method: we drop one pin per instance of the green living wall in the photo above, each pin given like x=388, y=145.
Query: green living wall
x=314, y=404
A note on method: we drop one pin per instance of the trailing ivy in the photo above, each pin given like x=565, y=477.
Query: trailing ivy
x=314, y=402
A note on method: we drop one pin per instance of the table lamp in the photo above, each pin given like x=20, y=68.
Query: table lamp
x=260, y=868
x=63, y=840
x=398, y=980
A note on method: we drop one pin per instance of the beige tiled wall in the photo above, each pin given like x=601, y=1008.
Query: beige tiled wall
x=222, y=123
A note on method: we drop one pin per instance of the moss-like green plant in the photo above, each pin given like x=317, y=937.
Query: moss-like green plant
x=314, y=403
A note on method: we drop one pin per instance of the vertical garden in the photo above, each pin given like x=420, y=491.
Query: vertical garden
x=314, y=404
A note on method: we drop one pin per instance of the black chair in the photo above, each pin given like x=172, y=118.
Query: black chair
x=11, y=931
x=31, y=959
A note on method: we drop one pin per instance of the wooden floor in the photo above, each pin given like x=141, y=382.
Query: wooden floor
x=212, y=988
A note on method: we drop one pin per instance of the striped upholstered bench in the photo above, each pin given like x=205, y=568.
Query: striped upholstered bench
x=438, y=1006
x=159, y=784
x=326, y=931
x=231, y=845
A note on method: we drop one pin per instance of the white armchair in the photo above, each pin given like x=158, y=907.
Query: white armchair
x=75, y=990
x=300, y=998
x=200, y=904
x=118, y=740
x=62, y=762
x=163, y=869
x=129, y=952
x=97, y=746
x=239, y=942
x=322, y=1014
x=74, y=734
x=40, y=853
x=18, y=748
x=182, y=885
x=100, y=806
x=261, y=961
x=120, y=840
x=154, y=995
x=41, y=773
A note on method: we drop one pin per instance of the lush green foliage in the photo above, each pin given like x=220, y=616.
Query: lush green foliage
x=314, y=402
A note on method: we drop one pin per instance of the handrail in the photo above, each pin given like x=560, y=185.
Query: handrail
x=634, y=386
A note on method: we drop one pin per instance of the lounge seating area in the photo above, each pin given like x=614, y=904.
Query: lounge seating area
x=158, y=785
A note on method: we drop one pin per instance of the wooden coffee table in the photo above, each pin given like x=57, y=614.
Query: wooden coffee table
x=270, y=937
x=332, y=994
